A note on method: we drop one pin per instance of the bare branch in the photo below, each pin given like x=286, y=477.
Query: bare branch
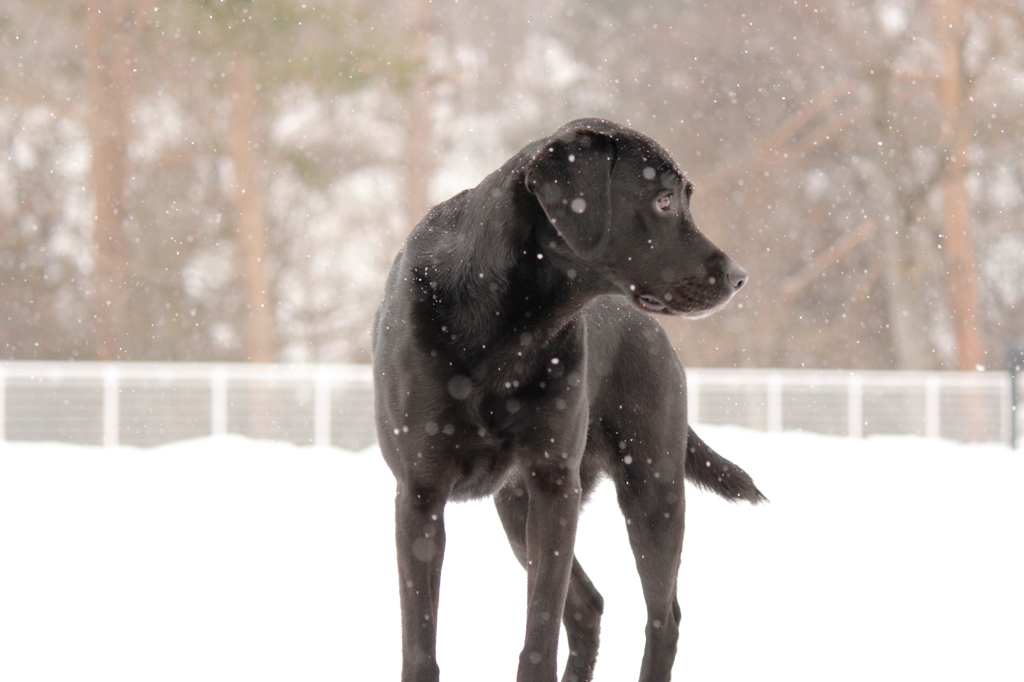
x=783, y=135
x=828, y=258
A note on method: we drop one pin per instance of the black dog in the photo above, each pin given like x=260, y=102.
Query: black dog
x=511, y=359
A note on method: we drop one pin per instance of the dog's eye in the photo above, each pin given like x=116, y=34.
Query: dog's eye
x=663, y=203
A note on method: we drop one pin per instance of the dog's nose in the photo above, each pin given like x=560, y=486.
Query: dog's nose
x=735, y=275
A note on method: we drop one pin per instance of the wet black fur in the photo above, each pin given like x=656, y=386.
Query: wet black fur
x=514, y=356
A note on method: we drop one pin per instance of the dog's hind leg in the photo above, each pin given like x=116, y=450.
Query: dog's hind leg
x=654, y=522
x=583, y=605
x=420, y=540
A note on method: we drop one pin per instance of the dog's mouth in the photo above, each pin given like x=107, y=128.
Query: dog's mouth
x=651, y=303
x=686, y=300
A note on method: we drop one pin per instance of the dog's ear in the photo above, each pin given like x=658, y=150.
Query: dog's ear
x=571, y=178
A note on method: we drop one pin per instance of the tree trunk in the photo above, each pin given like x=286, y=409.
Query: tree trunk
x=250, y=215
x=108, y=43
x=908, y=326
x=962, y=277
x=909, y=330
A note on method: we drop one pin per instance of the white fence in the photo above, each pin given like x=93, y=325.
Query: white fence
x=147, y=404
x=963, y=406
x=151, y=403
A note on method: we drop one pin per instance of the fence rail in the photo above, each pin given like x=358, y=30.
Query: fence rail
x=152, y=403
x=147, y=404
x=963, y=406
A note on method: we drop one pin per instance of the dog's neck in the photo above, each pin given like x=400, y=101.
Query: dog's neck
x=519, y=292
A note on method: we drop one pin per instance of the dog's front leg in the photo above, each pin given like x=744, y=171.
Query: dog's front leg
x=420, y=539
x=554, y=507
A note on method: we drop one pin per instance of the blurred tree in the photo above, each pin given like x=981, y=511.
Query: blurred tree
x=44, y=245
x=883, y=50
x=266, y=157
x=240, y=32
x=244, y=144
x=257, y=54
x=962, y=271
x=110, y=35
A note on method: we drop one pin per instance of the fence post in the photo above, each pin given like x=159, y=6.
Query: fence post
x=3, y=404
x=322, y=411
x=111, y=406
x=774, y=402
x=1015, y=361
x=218, y=401
x=1013, y=406
x=1006, y=411
x=855, y=406
x=931, y=407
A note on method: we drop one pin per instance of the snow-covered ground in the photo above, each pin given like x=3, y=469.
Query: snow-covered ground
x=231, y=559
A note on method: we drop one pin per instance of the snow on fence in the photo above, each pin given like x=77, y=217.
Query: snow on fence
x=147, y=404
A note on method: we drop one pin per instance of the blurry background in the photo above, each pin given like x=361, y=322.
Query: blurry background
x=229, y=180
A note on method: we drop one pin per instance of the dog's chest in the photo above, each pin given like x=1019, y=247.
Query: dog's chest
x=494, y=431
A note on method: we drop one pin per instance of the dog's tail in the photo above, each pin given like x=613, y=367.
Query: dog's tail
x=709, y=470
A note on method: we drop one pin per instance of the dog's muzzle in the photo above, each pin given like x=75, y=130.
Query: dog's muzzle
x=694, y=297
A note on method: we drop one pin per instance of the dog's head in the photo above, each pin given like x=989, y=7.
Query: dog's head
x=623, y=207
